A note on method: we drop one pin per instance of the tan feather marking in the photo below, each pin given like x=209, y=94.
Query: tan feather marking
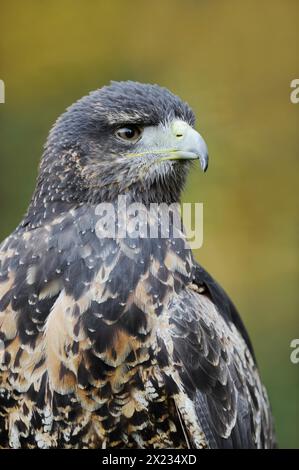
x=121, y=347
x=25, y=370
x=8, y=324
x=142, y=297
x=86, y=400
x=68, y=380
x=97, y=431
x=174, y=263
x=196, y=288
x=129, y=409
x=13, y=348
x=154, y=267
x=59, y=337
x=51, y=289
x=83, y=303
x=97, y=290
x=120, y=376
x=137, y=402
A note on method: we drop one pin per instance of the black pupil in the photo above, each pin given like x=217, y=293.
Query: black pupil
x=129, y=133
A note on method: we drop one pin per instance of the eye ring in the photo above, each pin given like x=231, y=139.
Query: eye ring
x=129, y=133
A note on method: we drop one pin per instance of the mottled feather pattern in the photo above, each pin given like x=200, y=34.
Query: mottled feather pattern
x=88, y=362
x=119, y=342
x=219, y=374
x=78, y=343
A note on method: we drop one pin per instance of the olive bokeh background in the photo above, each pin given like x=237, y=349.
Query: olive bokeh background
x=233, y=62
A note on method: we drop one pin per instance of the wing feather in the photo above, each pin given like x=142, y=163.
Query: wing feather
x=217, y=368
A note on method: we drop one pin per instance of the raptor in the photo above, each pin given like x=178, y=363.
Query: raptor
x=120, y=341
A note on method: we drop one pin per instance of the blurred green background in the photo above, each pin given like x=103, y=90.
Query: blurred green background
x=233, y=62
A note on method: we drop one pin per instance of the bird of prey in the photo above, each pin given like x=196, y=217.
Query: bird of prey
x=120, y=341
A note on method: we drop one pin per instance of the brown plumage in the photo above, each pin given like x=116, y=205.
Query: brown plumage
x=119, y=341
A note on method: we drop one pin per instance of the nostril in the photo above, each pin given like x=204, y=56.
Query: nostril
x=179, y=129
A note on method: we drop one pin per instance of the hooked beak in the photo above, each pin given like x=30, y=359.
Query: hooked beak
x=191, y=147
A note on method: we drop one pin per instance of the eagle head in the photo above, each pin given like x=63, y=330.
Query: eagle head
x=125, y=138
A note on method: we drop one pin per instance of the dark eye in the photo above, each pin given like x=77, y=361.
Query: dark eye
x=129, y=133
